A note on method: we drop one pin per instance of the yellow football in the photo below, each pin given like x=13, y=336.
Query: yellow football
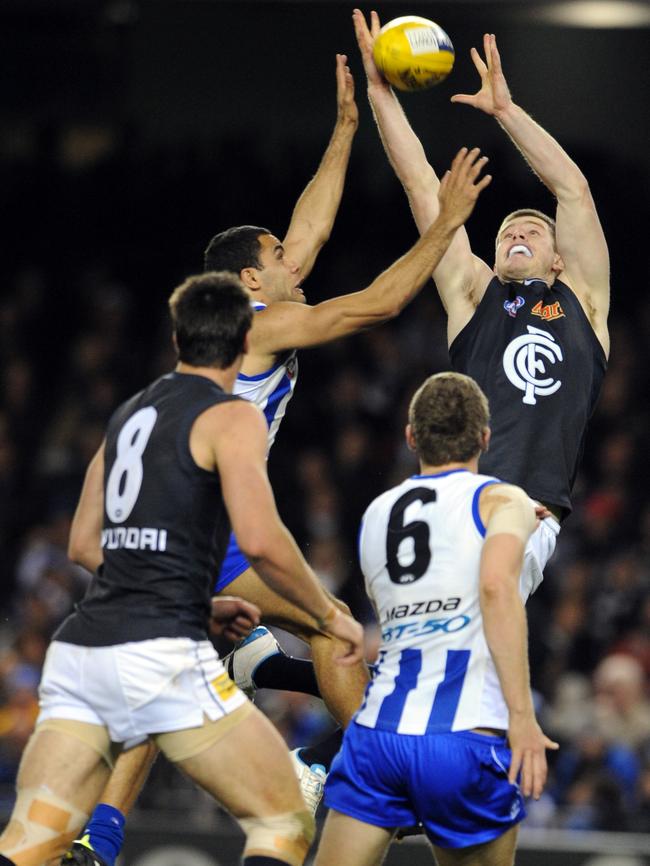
x=413, y=53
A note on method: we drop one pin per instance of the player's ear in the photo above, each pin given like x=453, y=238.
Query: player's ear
x=558, y=264
x=484, y=439
x=410, y=438
x=250, y=278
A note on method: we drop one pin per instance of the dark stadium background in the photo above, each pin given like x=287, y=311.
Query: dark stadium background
x=130, y=132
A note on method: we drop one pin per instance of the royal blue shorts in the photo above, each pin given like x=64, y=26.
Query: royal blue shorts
x=234, y=564
x=455, y=784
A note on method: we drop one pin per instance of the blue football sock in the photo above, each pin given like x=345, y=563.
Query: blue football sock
x=104, y=833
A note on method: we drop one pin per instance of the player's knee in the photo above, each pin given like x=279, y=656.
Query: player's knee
x=41, y=828
x=285, y=837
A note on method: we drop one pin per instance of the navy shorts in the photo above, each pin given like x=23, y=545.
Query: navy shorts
x=455, y=784
x=234, y=564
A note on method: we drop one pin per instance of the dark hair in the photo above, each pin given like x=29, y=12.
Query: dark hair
x=211, y=314
x=234, y=249
x=447, y=415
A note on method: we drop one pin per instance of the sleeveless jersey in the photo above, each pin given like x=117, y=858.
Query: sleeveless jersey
x=533, y=351
x=272, y=390
x=420, y=547
x=165, y=523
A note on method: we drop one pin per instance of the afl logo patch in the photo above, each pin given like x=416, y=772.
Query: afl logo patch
x=524, y=362
x=511, y=307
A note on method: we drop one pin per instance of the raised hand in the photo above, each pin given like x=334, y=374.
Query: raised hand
x=494, y=95
x=347, y=107
x=366, y=40
x=461, y=187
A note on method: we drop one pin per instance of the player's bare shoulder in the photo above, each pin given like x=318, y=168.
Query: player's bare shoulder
x=274, y=330
x=507, y=508
x=233, y=424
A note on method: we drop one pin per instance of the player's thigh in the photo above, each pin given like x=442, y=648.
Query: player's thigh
x=355, y=843
x=66, y=762
x=248, y=770
x=61, y=776
x=497, y=852
x=275, y=609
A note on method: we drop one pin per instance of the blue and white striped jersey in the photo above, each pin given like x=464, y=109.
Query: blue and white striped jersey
x=420, y=548
x=271, y=390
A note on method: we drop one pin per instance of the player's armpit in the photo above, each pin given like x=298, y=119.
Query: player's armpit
x=84, y=545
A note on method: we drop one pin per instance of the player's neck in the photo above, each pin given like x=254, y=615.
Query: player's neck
x=225, y=378
x=548, y=279
x=429, y=469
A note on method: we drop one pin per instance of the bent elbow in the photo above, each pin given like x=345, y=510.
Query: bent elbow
x=75, y=551
x=254, y=545
x=493, y=588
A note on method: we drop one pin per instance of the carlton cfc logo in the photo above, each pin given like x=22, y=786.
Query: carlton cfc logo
x=524, y=362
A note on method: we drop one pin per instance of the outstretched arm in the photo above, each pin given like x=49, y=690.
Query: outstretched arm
x=285, y=325
x=580, y=239
x=461, y=277
x=315, y=210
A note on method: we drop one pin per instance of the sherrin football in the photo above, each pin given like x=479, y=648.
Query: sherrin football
x=413, y=53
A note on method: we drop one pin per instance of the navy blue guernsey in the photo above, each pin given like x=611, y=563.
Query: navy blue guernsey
x=533, y=351
x=165, y=522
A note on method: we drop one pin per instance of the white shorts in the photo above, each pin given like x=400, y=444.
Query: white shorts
x=540, y=548
x=139, y=688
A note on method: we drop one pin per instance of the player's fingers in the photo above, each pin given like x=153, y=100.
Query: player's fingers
x=486, y=180
x=468, y=165
x=375, y=25
x=458, y=160
x=444, y=183
x=465, y=98
x=539, y=774
x=527, y=773
x=494, y=54
x=515, y=764
x=487, y=50
x=551, y=744
x=479, y=63
x=476, y=166
x=360, y=29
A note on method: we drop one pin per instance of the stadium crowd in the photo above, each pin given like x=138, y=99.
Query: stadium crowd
x=97, y=242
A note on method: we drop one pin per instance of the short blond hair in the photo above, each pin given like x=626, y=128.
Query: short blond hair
x=448, y=414
x=524, y=212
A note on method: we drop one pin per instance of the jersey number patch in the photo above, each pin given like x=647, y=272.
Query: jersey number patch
x=399, y=533
x=125, y=479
